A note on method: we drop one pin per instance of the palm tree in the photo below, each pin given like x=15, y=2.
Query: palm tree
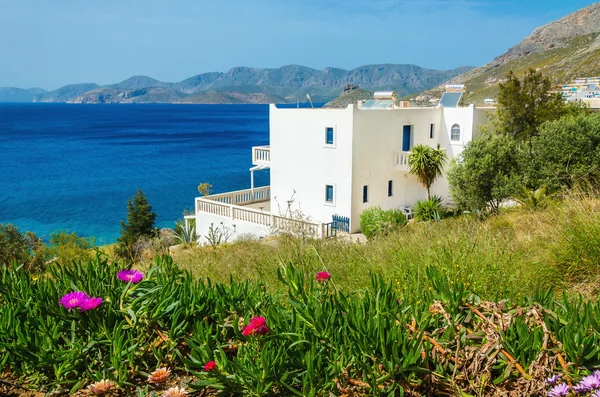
x=427, y=163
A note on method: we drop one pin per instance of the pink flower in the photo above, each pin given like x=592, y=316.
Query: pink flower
x=90, y=304
x=257, y=326
x=323, y=276
x=130, y=276
x=73, y=300
x=210, y=366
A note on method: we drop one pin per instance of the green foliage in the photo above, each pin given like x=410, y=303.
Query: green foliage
x=185, y=233
x=567, y=152
x=429, y=210
x=140, y=223
x=381, y=341
x=204, y=188
x=23, y=248
x=427, y=163
x=376, y=222
x=524, y=105
x=67, y=247
x=218, y=235
x=534, y=199
x=488, y=172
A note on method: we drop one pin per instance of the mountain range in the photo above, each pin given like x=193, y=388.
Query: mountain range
x=286, y=84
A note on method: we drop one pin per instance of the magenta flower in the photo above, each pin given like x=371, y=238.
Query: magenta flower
x=73, y=300
x=257, y=326
x=130, y=276
x=560, y=390
x=323, y=276
x=90, y=304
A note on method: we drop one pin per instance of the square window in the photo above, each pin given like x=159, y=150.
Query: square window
x=329, y=193
x=431, y=131
x=390, y=188
x=365, y=194
x=329, y=135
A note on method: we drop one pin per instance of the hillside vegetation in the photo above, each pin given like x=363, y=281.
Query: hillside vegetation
x=563, y=50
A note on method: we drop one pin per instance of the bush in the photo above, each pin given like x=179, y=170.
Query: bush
x=375, y=222
x=429, y=210
x=24, y=249
x=566, y=152
x=488, y=172
x=67, y=247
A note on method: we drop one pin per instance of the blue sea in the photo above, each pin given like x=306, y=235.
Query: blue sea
x=74, y=167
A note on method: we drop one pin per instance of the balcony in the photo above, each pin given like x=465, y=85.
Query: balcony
x=252, y=206
x=401, y=161
x=261, y=156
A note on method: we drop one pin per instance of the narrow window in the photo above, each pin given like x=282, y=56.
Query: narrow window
x=431, y=131
x=365, y=194
x=390, y=188
x=329, y=135
x=329, y=193
x=455, y=133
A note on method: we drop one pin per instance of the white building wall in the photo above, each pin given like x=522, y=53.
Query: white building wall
x=235, y=228
x=378, y=135
x=302, y=164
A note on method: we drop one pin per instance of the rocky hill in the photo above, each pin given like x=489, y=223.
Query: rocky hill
x=350, y=95
x=563, y=50
x=246, y=85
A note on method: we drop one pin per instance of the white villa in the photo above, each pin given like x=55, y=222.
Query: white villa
x=327, y=163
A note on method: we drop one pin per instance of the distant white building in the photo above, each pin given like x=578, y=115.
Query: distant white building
x=331, y=164
x=585, y=89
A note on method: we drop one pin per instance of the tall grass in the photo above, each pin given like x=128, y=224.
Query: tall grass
x=506, y=255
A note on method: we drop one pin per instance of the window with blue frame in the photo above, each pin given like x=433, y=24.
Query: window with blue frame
x=365, y=194
x=329, y=193
x=329, y=135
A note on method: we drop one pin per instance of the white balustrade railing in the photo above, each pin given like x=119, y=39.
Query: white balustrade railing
x=228, y=205
x=246, y=196
x=401, y=160
x=261, y=155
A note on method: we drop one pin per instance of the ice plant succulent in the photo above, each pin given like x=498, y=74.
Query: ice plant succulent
x=174, y=392
x=560, y=390
x=161, y=375
x=323, y=276
x=257, y=326
x=210, y=366
x=73, y=300
x=130, y=276
x=100, y=388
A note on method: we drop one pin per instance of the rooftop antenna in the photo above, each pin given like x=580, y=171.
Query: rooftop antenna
x=310, y=100
x=297, y=103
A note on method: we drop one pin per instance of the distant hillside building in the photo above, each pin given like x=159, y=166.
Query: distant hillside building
x=329, y=165
x=586, y=89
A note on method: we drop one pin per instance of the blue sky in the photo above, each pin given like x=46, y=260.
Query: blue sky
x=50, y=43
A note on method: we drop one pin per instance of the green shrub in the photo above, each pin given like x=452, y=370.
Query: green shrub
x=23, y=248
x=66, y=247
x=489, y=171
x=376, y=222
x=429, y=210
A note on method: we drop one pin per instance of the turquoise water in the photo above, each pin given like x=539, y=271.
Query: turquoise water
x=73, y=167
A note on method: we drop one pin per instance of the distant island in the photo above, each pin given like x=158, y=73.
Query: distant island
x=286, y=84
